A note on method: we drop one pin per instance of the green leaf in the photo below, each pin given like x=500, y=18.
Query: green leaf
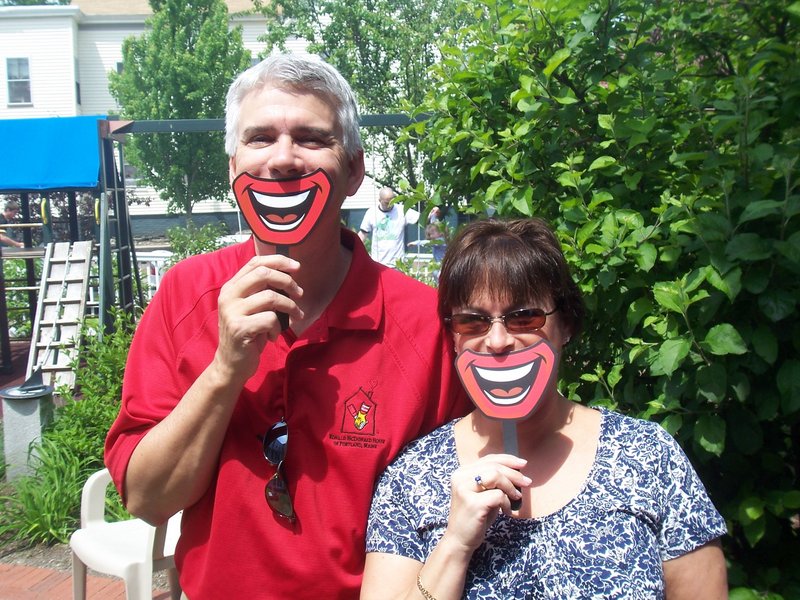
x=670, y=355
x=568, y=179
x=565, y=99
x=496, y=187
x=765, y=344
x=637, y=310
x=712, y=381
x=790, y=248
x=724, y=339
x=760, y=209
x=730, y=284
x=709, y=432
x=756, y=281
x=615, y=375
x=646, y=257
x=632, y=180
x=741, y=593
x=791, y=499
x=748, y=247
x=669, y=296
x=755, y=530
x=606, y=122
x=585, y=232
x=777, y=304
x=672, y=423
x=601, y=162
x=750, y=509
x=555, y=61
x=789, y=386
x=600, y=197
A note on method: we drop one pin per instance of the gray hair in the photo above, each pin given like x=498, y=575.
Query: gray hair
x=296, y=73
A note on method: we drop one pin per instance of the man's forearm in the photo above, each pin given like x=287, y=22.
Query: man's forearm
x=176, y=461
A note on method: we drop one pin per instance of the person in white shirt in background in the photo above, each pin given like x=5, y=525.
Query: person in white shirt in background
x=386, y=223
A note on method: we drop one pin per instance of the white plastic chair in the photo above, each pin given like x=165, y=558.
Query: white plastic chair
x=131, y=550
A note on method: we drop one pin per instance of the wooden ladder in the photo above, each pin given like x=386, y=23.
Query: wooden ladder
x=55, y=340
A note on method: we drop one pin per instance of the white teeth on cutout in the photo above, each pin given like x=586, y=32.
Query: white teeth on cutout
x=282, y=226
x=504, y=375
x=282, y=202
x=507, y=401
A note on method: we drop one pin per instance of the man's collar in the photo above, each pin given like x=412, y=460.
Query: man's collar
x=359, y=302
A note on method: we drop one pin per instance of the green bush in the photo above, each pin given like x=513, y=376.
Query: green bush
x=191, y=239
x=45, y=507
x=662, y=142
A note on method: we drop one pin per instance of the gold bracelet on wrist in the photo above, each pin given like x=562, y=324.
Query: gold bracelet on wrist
x=425, y=593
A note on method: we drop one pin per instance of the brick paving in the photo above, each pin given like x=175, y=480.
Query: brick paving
x=22, y=582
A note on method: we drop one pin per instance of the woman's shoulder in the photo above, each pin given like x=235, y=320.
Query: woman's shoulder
x=630, y=430
x=437, y=443
x=633, y=443
x=422, y=471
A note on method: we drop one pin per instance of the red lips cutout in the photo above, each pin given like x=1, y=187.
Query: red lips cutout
x=508, y=386
x=282, y=211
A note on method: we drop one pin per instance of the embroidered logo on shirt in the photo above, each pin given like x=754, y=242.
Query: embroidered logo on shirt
x=359, y=416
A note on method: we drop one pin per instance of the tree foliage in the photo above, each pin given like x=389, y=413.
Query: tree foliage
x=384, y=48
x=180, y=68
x=662, y=142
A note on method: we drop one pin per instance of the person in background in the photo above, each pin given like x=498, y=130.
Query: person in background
x=270, y=438
x=386, y=225
x=609, y=505
x=435, y=232
x=7, y=236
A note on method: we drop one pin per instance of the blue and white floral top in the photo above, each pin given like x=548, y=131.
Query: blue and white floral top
x=641, y=504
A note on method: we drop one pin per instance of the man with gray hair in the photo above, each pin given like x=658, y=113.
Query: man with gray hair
x=386, y=223
x=269, y=382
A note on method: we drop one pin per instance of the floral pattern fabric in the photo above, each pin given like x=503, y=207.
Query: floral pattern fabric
x=642, y=504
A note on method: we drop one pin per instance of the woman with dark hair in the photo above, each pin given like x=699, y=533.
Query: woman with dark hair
x=591, y=505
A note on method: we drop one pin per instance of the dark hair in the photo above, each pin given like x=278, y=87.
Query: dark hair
x=518, y=260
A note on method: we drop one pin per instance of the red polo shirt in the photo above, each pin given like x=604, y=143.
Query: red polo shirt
x=371, y=374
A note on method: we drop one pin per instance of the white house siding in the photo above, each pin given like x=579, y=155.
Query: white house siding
x=99, y=51
x=47, y=37
x=252, y=28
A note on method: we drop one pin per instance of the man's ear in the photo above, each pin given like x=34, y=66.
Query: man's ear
x=356, y=172
x=231, y=169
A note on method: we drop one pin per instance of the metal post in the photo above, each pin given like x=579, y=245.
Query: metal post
x=5, y=338
x=72, y=209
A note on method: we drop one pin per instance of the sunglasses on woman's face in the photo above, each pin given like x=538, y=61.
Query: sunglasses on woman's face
x=525, y=320
x=276, y=490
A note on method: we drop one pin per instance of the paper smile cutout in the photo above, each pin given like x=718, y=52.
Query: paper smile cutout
x=508, y=386
x=282, y=211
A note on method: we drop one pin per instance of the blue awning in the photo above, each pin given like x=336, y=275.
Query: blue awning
x=60, y=153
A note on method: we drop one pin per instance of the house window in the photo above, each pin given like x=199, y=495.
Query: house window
x=19, y=81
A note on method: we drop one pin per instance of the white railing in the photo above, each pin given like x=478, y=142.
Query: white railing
x=152, y=264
